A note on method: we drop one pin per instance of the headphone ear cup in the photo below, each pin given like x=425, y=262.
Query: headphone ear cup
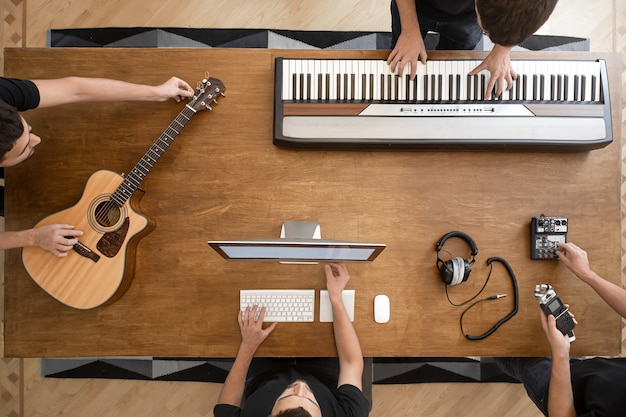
x=459, y=270
x=468, y=269
x=446, y=271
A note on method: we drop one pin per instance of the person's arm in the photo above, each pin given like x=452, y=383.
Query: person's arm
x=252, y=334
x=498, y=63
x=410, y=46
x=575, y=259
x=346, y=340
x=560, y=394
x=58, y=239
x=59, y=91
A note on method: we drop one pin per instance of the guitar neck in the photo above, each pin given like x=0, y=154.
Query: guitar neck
x=131, y=181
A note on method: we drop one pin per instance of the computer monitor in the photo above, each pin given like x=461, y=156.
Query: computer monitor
x=300, y=243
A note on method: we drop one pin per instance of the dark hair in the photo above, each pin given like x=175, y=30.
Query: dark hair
x=294, y=412
x=511, y=22
x=11, y=128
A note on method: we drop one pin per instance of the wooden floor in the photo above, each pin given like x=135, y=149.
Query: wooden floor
x=23, y=393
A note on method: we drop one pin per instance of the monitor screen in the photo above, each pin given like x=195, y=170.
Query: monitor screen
x=297, y=250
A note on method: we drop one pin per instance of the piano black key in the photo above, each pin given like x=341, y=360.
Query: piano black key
x=433, y=87
x=583, y=82
x=382, y=86
x=371, y=87
x=339, y=86
x=426, y=90
x=566, y=87
x=593, y=87
x=450, y=87
x=482, y=86
x=293, y=86
x=308, y=86
x=352, y=86
x=576, y=87
x=542, y=86
x=458, y=87
x=346, y=87
x=468, y=82
x=327, y=87
x=407, y=83
x=301, y=92
x=552, y=87
x=535, y=85
x=559, y=87
x=439, y=87
x=525, y=86
x=415, y=84
x=475, y=95
x=364, y=87
x=396, y=87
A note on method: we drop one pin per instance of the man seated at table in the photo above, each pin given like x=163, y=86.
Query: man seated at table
x=18, y=142
x=577, y=387
x=292, y=391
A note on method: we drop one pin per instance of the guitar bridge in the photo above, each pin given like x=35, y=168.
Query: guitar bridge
x=83, y=250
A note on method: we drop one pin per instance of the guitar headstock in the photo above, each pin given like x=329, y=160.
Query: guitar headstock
x=206, y=93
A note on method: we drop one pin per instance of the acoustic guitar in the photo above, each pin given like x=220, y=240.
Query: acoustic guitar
x=101, y=265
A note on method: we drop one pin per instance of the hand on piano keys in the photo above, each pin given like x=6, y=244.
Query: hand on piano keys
x=437, y=81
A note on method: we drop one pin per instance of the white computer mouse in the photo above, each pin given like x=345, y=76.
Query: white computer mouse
x=381, y=308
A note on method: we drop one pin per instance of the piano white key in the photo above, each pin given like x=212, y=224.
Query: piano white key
x=342, y=87
x=358, y=85
x=315, y=70
x=377, y=71
x=286, y=89
x=333, y=69
x=446, y=87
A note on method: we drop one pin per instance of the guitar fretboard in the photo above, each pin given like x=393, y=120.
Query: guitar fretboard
x=131, y=181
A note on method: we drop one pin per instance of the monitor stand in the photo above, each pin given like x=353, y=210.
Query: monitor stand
x=299, y=229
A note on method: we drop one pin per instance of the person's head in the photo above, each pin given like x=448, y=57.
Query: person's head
x=297, y=400
x=16, y=140
x=511, y=22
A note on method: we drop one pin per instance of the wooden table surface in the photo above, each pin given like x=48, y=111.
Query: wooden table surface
x=224, y=179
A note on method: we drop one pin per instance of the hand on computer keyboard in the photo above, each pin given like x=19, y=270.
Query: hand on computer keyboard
x=252, y=331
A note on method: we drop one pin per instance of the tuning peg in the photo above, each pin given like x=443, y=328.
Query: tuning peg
x=209, y=108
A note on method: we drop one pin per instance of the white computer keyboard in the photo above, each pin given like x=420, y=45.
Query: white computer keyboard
x=280, y=305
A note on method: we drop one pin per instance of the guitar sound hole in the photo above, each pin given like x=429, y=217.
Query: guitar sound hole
x=108, y=214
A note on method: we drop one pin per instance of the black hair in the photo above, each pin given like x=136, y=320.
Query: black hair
x=294, y=412
x=11, y=128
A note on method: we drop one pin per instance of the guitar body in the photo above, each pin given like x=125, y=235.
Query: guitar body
x=100, y=270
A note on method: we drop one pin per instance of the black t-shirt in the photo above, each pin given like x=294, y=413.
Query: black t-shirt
x=347, y=400
x=599, y=387
x=445, y=8
x=21, y=94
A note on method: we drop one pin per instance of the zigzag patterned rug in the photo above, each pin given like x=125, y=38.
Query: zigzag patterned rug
x=385, y=370
x=145, y=37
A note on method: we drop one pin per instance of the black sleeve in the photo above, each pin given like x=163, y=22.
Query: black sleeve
x=226, y=410
x=21, y=94
x=352, y=401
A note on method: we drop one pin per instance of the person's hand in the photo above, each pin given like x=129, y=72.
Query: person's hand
x=559, y=343
x=408, y=50
x=174, y=88
x=575, y=259
x=337, y=277
x=57, y=239
x=252, y=331
x=498, y=63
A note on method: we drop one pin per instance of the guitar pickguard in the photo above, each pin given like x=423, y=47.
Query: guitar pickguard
x=111, y=242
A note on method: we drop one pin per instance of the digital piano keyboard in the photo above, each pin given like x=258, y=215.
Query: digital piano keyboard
x=554, y=105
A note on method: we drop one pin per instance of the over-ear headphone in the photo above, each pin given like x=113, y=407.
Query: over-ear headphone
x=456, y=270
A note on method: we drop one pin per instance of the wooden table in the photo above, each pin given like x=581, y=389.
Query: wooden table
x=223, y=179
